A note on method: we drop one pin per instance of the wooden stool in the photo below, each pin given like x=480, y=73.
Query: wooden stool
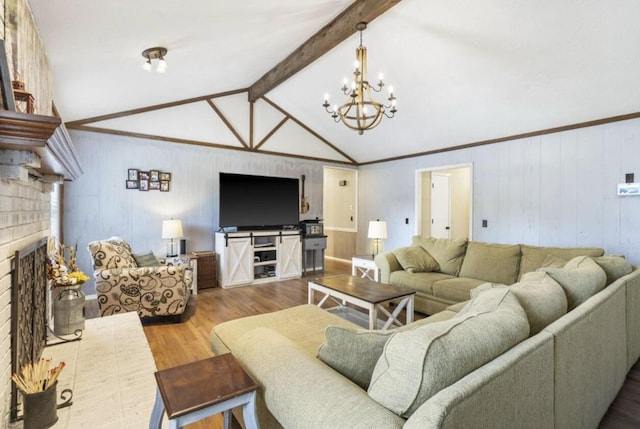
x=200, y=389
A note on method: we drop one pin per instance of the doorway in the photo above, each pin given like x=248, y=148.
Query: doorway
x=444, y=201
x=340, y=211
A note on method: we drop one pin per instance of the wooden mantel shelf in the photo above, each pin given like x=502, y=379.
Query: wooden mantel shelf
x=24, y=129
x=43, y=135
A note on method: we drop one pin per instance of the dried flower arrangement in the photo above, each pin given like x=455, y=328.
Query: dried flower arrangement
x=36, y=376
x=62, y=267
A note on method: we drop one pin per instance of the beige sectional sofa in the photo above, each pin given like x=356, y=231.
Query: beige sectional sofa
x=457, y=266
x=550, y=351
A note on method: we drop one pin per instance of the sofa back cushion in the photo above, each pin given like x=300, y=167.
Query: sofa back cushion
x=414, y=259
x=540, y=296
x=614, y=266
x=534, y=256
x=113, y=252
x=447, y=252
x=491, y=262
x=417, y=363
x=580, y=278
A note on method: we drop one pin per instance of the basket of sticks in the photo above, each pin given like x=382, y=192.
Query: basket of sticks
x=38, y=381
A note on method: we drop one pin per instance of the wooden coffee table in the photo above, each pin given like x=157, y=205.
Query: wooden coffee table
x=203, y=388
x=366, y=294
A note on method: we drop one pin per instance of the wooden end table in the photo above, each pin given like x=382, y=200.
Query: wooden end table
x=366, y=294
x=203, y=388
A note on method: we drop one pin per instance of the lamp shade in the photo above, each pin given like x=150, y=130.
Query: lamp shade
x=377, y=229
x=172, y=228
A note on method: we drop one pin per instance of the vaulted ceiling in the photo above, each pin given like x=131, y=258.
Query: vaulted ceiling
x=464, y=71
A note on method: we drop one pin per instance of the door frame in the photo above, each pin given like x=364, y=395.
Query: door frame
x=418, y=194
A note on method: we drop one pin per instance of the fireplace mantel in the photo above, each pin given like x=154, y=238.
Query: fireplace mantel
x=47, y=137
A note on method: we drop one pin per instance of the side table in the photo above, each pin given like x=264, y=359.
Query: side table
x=365, y=267
x=203, y=388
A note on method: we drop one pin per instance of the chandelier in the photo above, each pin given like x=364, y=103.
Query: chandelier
x=360, y=111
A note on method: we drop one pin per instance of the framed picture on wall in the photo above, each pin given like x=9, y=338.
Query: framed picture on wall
x=164, y=186
x=132, y=184
x=132, y=174
x=154, y=186
x=154, y=175
x=144, y=185
x=165, y=176
x=143, y=175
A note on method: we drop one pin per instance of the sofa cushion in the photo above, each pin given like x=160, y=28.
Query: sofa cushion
x=456, y=289
x=491, y=262
x=303, y=324
x=534, y=256
x=421, y=282
x=614, y=266
x=353, y=353
x=146, y=259
x=113, y=252
x=415, y=259
x=540, y=296
x=447, y=252
x=417, y=363
x=580, y=278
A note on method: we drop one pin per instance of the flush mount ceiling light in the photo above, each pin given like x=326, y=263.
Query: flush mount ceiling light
x=361, y=112
x=157, y=53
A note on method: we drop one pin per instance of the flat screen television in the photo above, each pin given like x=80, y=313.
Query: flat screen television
x=258, y=202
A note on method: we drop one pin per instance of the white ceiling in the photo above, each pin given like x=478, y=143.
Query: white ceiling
x=463, y=70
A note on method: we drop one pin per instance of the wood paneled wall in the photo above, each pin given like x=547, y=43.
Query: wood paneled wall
x=97, y=205
x=341, y=244
x=557, y=189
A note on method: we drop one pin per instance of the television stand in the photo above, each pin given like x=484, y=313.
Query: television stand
x=258, y=256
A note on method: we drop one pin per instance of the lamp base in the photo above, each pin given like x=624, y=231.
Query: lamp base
x=172, y=249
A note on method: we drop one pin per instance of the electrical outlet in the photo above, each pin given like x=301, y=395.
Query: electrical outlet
x=485, y=223
x=406, y=220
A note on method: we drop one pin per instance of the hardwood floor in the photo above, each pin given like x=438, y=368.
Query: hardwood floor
x=179, y=343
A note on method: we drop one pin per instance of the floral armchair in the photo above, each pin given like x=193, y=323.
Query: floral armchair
x=122, y=285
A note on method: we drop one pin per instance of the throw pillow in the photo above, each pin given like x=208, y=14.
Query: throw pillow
x=448, y=252
x=353, y=353
x=414, y=259
x=580, y=278
x=614, y=266
x=146, y=259
x=542, y=298
x=418, y=363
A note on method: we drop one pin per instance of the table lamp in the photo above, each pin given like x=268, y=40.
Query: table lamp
x=377, y=231
x=172, y=229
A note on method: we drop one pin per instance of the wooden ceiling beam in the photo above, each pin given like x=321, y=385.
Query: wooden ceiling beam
x=343, y=26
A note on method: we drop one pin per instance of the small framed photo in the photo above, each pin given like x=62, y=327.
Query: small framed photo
x=144, y=185
x=143, y=175
x=132, y=174
x=153, y=175
x=164, y=186
x=165, y=177
x=154, y=186
x=132, y=184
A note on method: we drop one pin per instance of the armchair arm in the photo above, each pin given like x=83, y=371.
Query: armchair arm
x=151, y=291
x=386, y=263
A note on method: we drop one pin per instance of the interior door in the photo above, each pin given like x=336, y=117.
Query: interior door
x=440, y=205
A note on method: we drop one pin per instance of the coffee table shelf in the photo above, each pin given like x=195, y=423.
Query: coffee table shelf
x=366, y=294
